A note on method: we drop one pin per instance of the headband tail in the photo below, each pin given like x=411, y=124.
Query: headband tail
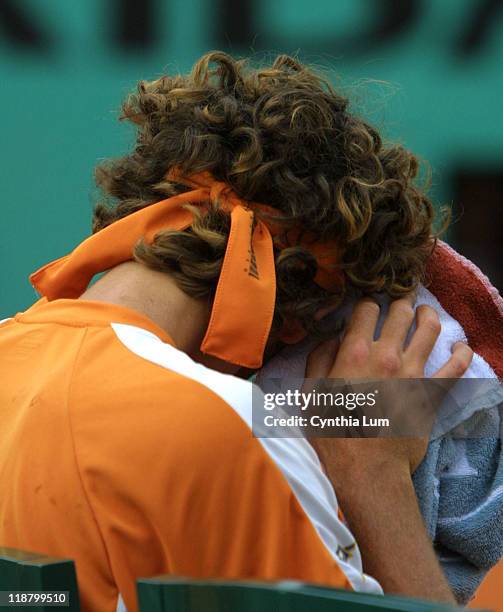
x=244, y=302
x=69, y=276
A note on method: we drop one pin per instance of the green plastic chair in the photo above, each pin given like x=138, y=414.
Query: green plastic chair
x=173, y=594
x=26, y=571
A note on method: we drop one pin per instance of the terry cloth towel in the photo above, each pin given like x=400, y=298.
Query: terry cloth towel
x=459, y=485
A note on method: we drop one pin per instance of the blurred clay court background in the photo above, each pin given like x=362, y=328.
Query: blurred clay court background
x=429, y=73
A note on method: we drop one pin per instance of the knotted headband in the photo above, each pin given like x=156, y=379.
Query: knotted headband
x=243, y=307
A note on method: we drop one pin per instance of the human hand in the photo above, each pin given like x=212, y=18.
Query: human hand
x=358, y=356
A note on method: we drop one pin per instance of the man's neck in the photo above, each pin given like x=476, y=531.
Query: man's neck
x=155, y=295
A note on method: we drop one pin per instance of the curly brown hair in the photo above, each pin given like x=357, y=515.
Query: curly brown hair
x=282, y=136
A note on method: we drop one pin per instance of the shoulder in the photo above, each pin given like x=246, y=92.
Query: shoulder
x=176, y=369
x=130, y=380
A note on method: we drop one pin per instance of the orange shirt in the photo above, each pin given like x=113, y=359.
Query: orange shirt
x=119, y=451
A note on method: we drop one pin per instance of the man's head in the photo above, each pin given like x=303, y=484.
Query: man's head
x=281, y=136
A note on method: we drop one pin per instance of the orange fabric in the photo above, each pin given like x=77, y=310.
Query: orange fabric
x=243, y=309
x=134, y=470
x=327, y=253
x=489, y=595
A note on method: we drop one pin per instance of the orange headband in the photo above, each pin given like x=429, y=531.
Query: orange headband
x=243, y=308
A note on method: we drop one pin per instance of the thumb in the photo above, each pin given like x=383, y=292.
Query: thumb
x=321, y=359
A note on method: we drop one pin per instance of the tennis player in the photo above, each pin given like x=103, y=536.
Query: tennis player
x=252, y=202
